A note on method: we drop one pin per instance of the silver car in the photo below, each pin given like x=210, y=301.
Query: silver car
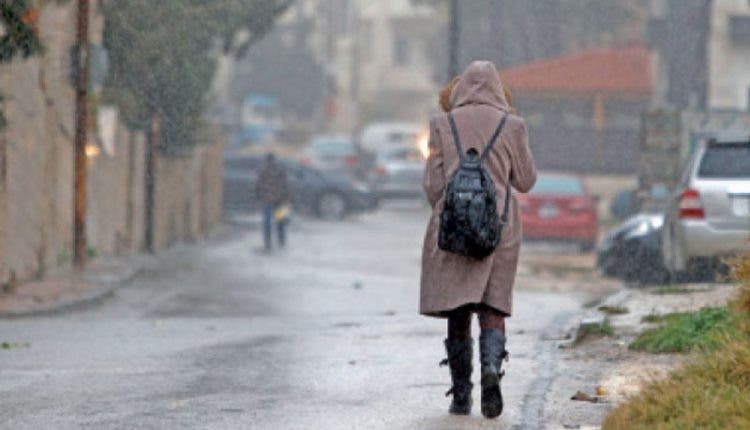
x=709, y=215
x=399, y=172
x=334, y=154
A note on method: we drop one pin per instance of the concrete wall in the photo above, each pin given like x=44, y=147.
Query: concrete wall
x=36, y=186
x=729, y=62
x=115, y=203
x=187, y=194
x=40, y=112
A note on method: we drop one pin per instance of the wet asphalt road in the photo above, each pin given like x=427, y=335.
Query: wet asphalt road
x=323, y=335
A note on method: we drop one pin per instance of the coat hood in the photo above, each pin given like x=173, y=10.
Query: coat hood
x=480, y=84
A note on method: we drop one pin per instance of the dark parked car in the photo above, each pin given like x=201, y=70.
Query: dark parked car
x=624, y=204
x=313, y=192
x=632, y=250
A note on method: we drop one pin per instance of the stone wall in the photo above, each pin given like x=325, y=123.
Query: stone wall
x=36, y=186
x=187, y=194
x=115, y=199
x=39, y=157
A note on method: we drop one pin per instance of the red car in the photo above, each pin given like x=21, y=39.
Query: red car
x=560, y=207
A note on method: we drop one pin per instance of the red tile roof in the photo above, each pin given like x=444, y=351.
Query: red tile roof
x=602, y=70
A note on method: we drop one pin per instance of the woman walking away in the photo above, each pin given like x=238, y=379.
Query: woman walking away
x=474, y=235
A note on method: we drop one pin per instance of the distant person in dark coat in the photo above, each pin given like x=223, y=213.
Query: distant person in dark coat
x=272, y=189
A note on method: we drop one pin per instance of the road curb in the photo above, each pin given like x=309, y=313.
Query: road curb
x=109, y=284
x=593, y=317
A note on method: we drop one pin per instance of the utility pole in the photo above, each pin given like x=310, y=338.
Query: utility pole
x=455, y=31
x=81, y=136
x=356, y=68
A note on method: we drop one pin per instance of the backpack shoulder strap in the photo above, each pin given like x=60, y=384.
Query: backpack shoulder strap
x=456, y=139
x=504, y=216
x=494, y=137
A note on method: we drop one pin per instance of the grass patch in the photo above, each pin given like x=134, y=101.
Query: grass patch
x=613, y=310
x=713, y=390
x=604, y=329
x=653, y=318
x=711, y=393
x=684, y=332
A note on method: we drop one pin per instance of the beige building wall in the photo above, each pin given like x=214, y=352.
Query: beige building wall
x=396, y=73
x=39, y=108
x=377, y=51
x=188, y=194
x=115, y=199
x=36, y=184
x=729, y=62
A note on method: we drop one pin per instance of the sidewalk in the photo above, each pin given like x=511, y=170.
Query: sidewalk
x=604, y=367
x=640, y=367
x=67, y=288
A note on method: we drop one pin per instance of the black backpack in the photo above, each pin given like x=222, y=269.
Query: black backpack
x=469, y=224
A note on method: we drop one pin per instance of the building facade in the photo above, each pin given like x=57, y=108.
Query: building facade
x=729, y=55
x=583, y=110
x=703, y=54
x=37, y=167
x=369, y=61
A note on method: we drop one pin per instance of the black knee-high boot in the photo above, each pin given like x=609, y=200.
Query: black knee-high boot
x=492, y=353
x=459, y=360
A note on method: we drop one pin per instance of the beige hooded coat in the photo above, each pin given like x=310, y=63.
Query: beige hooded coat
x=450, y=281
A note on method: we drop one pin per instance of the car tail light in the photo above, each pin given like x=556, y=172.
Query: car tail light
x=352, y=161
x=690, y=205
x=307, y=161
x=381, y=171
x=580, y=206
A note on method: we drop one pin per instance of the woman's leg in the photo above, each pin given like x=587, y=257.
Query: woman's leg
x=459, y=324
x=491, y=355
x=459, y=348
x=490, y=318
x=267, y=225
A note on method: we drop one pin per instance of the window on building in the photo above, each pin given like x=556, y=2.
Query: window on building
x=739, y=29
x=401, y=50
x=365, y=40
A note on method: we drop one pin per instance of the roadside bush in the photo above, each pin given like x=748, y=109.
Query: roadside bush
x=741, y=272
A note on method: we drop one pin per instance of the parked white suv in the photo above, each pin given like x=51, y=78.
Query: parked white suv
x=709, y=215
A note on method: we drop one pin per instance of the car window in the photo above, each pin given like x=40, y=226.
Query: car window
x=332, y=147
x=726, y=161
x=306, y=174
x=404, y=154
x=560, y=185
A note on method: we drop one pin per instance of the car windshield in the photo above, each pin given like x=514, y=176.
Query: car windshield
x=332, y=147
x=559, y=185
x=726, y=161
x=402, y=137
